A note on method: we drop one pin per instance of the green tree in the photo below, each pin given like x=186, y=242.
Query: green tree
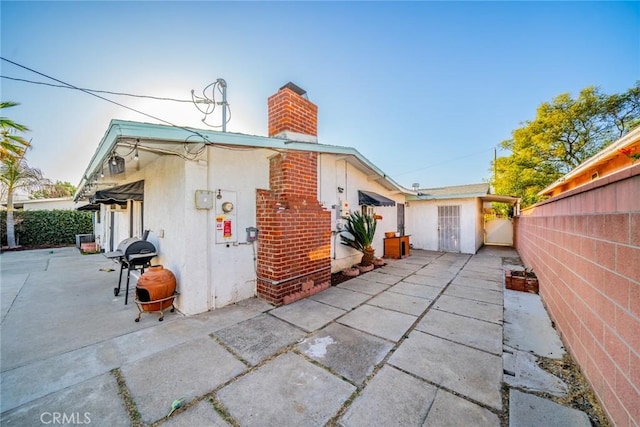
x=11, y=145
x=57, y=189
x=564, y=133
x=16, y=174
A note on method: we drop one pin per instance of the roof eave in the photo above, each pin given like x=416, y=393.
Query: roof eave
x=127, y=129
x=627, y=139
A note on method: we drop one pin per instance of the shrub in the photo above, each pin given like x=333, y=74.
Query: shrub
x=43, y=228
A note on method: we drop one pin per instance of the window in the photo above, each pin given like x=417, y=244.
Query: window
x=368, y=210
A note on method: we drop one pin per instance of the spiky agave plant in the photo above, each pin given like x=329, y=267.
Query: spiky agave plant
x=362, y=228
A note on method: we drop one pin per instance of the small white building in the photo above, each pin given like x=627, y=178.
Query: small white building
x=57, y=203
x=452, y=219
x=205, y=196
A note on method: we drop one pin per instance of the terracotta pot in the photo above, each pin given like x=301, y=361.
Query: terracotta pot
x=365, y=268
x=155, y=284
x=378, y=262
x=521, y=281
x=351, y=272
x=367, y=258
x=390, y=234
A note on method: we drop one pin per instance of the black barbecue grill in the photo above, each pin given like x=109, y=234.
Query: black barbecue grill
x=133, y=254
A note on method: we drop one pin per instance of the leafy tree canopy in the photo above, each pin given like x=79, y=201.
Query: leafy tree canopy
x=564, y=133
x=58, y=189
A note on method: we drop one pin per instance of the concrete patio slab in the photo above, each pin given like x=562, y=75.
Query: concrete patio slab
x=221, y=318
x=416, y=260
x=287, y=391
x=187, y=371
x=522, y=371
x=50, y=347
x=146, y=342
x=426, y=280
x=350, y=353
x=470, y=372
x=308, y=314
x=527, y=325
x=399, y=302
x=379, y=322
x=420, y=291
x=260, y=337
x=470, y=308
x=341, y=298
x=392, y=398
x=527, y=410
x=492, y=297
x=437, y=272
x=58, y=317
x=484, y=265
x=11, y=285
x=475, y=282
x=380, y=277
x=203, y=414
x=38, y=379
x=79, y=404
x=474, y=333
x=480, y=273
x=449, y=410
x=397, y=270
x=367, y=284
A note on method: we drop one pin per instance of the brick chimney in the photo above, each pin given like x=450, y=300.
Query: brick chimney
x=291, y=115
x=294, y=254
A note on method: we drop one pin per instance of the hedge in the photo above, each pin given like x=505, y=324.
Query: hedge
x=42, y=228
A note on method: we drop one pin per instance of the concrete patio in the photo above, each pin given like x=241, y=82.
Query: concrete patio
x=417, y=342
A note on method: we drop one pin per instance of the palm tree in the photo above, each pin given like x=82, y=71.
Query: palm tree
x=362, y=228
x=11, y=145
x=16, y=174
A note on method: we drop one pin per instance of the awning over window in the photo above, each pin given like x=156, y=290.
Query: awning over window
x=90, y=207
x=369, y=198
x=119, y=194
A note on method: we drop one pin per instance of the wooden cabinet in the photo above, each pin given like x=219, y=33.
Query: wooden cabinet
x=396, y=247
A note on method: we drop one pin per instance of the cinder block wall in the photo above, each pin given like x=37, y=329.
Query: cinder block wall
x=584, y=246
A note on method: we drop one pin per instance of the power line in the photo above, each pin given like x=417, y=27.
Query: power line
x=442, y=163
x=158, y=98
x=69, y=85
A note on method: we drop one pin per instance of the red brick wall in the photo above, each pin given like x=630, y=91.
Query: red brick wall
x=289, y=111
x=584, y=246
x=295, y=230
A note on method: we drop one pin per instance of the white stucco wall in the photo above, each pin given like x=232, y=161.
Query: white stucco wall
x=233, y=275
x=334, y=172
x=177, y=229
x=62, y=203
x=479, y=225
x=422, y=223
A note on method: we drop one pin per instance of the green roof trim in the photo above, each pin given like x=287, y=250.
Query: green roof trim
x=128, y=129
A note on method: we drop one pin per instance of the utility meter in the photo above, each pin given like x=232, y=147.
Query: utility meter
x=225, y=217
x=252, y=234
x=343, y=206
x=227, y=207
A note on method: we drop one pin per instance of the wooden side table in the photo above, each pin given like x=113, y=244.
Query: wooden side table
x=396, y=247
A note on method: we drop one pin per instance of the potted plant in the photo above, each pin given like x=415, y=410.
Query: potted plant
x=523, y=281
x=361, y=228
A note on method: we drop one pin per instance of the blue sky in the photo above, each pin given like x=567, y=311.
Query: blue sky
x=425, y=90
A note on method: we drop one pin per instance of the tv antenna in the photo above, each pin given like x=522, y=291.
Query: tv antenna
x=219, y=86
